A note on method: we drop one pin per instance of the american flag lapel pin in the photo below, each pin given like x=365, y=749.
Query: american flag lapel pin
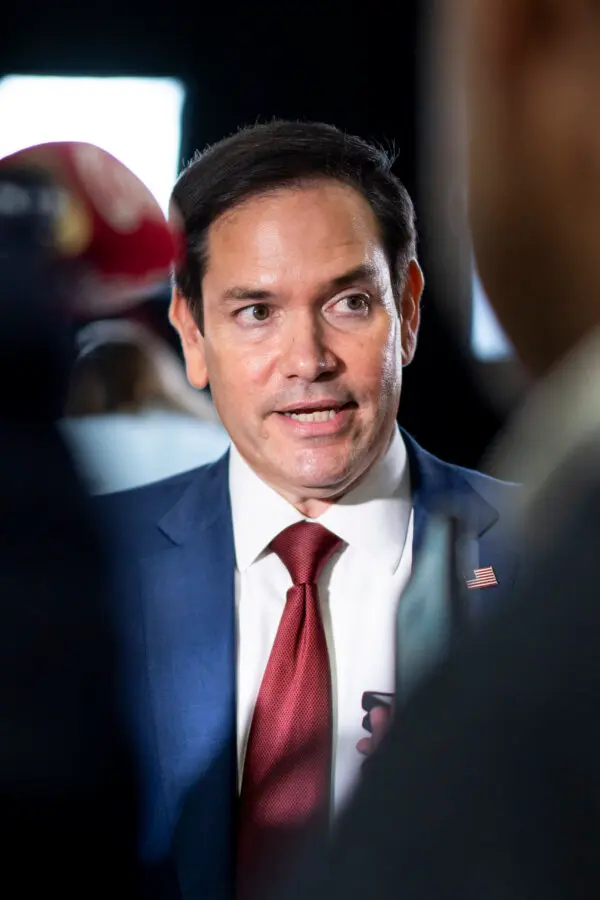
x=485, y=577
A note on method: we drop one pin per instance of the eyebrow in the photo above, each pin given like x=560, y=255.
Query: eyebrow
x=364, y=272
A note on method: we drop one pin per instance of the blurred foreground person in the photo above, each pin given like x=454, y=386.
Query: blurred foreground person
x=79, y=234
x=131, y=416
x=67, y=785
x=488, y=784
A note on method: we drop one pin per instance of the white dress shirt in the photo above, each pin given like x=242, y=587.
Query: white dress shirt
x=359, y=591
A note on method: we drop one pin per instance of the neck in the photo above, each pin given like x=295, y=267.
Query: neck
x=313, y=506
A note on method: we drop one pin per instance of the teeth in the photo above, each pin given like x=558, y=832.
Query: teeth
x=321, y=416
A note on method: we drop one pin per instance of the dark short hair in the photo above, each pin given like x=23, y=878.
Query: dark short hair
x=267, y=157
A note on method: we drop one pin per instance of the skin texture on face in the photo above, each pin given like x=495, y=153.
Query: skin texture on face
x=300, y=319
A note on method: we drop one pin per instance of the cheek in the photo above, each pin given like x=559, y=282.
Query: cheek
x=256, y=363
x=377, y=363
x=392, y=362
x=237, y=375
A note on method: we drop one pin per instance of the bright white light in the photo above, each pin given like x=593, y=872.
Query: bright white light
x=488, y=341
x=138, y=120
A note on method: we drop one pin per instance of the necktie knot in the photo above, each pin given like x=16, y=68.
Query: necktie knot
x=304, y=549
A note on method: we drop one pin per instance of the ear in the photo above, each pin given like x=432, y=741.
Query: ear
x=410, y=310
x=192, y=341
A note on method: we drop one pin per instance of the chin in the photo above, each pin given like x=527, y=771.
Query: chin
x=326, y=483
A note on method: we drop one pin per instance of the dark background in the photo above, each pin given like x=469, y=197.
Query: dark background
x=356, y=66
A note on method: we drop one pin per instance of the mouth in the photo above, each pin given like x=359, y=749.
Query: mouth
x=317, y=412
x=318, y=418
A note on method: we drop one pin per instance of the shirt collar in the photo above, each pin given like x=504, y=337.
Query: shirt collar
x=374, y=516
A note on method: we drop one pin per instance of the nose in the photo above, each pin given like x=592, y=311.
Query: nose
x=305, y=352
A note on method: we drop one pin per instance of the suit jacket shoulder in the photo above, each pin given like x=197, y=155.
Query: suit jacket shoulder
x=178, y=503
x=438, y=486
x=504, y=495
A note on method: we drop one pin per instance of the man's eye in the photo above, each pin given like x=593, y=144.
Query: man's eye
x=258, y=312
x=355, y=303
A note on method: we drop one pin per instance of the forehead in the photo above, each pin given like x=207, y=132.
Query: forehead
x=292, y=231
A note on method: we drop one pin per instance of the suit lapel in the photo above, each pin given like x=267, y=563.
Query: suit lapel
x=189, y=607
x=438, y=487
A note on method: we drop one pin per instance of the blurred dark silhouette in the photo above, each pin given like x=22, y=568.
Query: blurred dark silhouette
x=67, y=788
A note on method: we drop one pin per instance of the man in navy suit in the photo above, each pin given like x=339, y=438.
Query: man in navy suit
x=260, y=592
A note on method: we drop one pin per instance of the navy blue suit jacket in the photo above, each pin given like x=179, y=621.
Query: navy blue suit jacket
x=174, y=601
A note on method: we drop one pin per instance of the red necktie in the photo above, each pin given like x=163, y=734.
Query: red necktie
x=286, y=783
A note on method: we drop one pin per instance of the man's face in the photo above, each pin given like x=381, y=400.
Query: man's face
x=303, y=343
